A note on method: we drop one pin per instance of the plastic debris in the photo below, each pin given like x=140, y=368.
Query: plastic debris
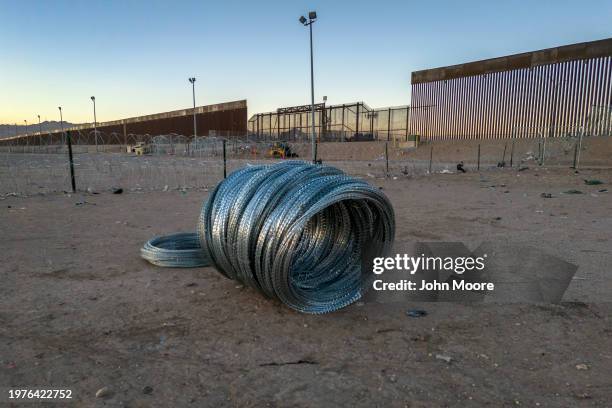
x=443, y=357
x=593, y=182
x=416, y=313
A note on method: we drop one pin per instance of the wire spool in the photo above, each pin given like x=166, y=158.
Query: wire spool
x=181, y=250
x=297, y=232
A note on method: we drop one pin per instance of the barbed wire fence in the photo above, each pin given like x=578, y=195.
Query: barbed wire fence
x=177, y=162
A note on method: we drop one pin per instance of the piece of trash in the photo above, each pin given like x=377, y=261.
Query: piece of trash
x=446, y=171
x=11, y=364
x=165, y=188
x=83, y=203
x=582, y=366
x=603, y=190
x=497, y=218
x=443, y=357
x=117, y=191
x=416, y=313
x=189, y=285
x=546, y=195
x=103, y=392
x=147, y=390
x=573, y=192
x=370, y=175
x=523, y=168
x=593, y=182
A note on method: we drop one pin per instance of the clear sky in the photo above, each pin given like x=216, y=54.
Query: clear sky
x=136, y=56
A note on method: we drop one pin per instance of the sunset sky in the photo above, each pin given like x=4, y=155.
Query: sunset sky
x=135, y=57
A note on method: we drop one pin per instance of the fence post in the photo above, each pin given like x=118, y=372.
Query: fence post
x=478, y=165
x=387, y=159
x=575, y=155
x=579, y=149
x=503, y=160
x=69, y=141
x=224, y=161
x=430, y=158
x=512, y=153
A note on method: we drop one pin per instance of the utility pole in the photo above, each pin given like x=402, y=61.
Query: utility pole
x=312, y=17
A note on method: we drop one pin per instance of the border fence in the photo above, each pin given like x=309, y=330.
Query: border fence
x=561, y=91
x=347, y=122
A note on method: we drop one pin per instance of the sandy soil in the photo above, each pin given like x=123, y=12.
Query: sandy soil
x=79, y=309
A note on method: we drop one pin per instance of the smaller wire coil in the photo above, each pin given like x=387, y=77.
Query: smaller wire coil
x=180, y=250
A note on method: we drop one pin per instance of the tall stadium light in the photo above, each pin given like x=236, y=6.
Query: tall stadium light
x=312, y=17
x=93, y=99
x=61, y=122
x=195, y=129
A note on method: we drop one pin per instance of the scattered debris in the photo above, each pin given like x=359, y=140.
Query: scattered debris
x=582, y=366
x=546, y=195
x=443, y=357
x=593, y=182
x=273, y=364
x=460, y=167
x=103, y=392
x=83, y=203
x=147, y=390
x=11, y=364
x=117, y=190
x=165, y=188
x=572, y=191
x=523, y=168
x=416, y=313
x=192, y=284
x=603, y=190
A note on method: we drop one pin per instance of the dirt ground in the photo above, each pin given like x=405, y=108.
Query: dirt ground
x=80, y=309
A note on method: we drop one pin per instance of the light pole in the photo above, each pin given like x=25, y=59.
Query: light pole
x=39, y=131
x=93, y=99
x=26, y=134
x=61, y=123
x=195, y=128
x=312, y=17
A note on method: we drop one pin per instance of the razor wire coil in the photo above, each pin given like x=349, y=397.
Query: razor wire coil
x=297, y=232
x=180, y=250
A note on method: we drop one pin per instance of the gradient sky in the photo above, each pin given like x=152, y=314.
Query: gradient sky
x=136, y=56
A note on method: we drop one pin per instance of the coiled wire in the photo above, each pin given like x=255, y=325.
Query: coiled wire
x=181, y=250
x=297, y=232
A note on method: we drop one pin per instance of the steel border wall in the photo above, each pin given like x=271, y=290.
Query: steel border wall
x=562, y=91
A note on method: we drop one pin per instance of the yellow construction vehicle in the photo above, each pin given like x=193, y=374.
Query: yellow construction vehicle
x=280, y=150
